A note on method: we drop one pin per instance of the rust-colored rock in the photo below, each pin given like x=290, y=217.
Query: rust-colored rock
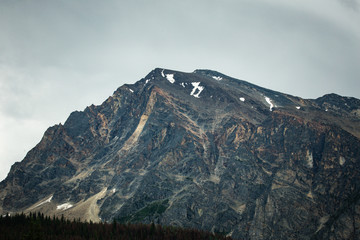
x=191, y=150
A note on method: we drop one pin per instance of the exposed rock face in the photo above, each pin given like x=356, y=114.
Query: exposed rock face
x=201, y=150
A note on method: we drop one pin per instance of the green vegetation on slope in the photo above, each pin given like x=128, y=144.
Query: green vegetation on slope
x=153, y=209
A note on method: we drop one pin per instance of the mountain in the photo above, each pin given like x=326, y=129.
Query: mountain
x=200, y=150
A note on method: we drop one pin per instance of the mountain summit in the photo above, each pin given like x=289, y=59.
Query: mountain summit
x=200, y=150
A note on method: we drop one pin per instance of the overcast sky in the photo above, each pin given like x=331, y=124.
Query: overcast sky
x=59, y=56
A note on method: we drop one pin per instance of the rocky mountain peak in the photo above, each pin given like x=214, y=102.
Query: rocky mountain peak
x=338, y=104
x=200, y=150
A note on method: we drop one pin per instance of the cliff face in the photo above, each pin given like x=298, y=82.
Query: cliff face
x=201, y=150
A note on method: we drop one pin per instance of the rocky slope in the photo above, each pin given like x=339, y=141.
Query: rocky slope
x=201, y=150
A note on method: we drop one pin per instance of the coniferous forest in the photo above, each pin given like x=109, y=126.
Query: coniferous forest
x=38, y=226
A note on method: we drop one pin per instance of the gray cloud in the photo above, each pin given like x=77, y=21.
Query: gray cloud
x=60, y=56
x=351, y=4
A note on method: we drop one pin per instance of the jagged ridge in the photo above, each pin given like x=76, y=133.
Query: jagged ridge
x=200, y=150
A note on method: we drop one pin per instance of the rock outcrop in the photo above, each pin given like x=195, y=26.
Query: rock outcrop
x=201, y=150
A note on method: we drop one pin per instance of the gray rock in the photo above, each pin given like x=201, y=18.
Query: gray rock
x=206, y=151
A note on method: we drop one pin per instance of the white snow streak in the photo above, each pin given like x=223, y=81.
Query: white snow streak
x=64, y=206
x=297, y=107
x=268, y=100
x=131, y=90
x=182, y=84
x=146, y=82
x=113, y=190
x=46, y=201
x=242, y=99
x=170, y=77
x=196, y=87
x=217, y=78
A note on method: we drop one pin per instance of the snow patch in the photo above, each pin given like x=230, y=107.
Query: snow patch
x=46, y=201
x=113, y=190
x=64, y=206
x=268, y=100
x=297, y=107
x=182, y=84
x=131, y=90
x=146, y=82
x=196, y=87
x=217, y=78
x=170, y=77
x=242, y=99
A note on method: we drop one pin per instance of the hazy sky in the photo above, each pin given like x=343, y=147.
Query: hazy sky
x=58, y=56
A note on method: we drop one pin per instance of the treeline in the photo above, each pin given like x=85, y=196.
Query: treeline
x=38, y=226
